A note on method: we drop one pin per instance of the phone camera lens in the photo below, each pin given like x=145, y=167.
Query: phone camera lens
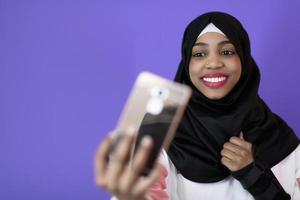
x=159, y=92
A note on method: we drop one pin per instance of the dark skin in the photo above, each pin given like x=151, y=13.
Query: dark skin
x=237, y=153
x=213, y=53
x=118, y=177
x=124, y=181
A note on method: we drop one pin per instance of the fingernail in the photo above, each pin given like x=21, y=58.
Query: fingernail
x=130, y=128
x=146, y=141
x=130, y=131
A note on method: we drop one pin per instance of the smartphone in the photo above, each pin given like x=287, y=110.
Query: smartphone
x=154, y=108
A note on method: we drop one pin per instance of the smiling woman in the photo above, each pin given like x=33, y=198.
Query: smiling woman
x=229, y=144
x=215, y=68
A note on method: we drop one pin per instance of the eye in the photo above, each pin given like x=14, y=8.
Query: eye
x=199, y=54
x=227, y=52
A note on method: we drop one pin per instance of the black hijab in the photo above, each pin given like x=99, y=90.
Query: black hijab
x=207, y=124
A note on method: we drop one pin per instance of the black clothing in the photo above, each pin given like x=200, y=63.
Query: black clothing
x=207, y=124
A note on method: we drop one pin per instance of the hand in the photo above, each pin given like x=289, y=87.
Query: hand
x=118, y=177
x=237, y=153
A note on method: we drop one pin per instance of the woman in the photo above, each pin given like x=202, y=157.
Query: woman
x=229, y=145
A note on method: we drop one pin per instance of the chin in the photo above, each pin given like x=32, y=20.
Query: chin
x=215, y=96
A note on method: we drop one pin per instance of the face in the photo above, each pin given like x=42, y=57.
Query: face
x=215, y=67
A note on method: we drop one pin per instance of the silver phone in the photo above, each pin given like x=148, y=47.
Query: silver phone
x=154, y=108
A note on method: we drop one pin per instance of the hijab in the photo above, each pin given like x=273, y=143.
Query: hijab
x=207, y=124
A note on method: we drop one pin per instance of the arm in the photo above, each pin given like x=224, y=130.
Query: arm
x=258, y=180
x=296, y=193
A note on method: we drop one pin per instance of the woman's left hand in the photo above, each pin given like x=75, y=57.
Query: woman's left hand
x=237, y=153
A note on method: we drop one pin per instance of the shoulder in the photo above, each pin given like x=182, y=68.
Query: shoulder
x=292, y=160
x=287, y=171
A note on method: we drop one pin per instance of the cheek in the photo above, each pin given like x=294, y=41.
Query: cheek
x=236, y=68
x=193, y=72
x=194, y=68
x=239, y=71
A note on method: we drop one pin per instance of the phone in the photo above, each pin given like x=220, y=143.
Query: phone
x=154, y=108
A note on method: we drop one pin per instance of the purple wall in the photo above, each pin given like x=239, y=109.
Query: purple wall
x=66, y=68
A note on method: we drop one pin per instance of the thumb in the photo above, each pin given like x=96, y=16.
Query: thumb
x=242, y=135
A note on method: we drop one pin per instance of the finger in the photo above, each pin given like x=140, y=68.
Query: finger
x=242, y=135
x=228, y=163
x=142, y=154
x=118, y=163
x=233, y=148
x=145, y=183
x=100, y=160
x=138, y=164
x=240, y=142
x=229, y=154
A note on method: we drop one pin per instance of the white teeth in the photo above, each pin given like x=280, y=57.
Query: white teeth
x=214, y=80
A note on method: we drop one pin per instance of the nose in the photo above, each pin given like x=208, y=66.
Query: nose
x=214, y=62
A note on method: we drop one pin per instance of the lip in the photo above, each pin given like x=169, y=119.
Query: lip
x=214, y=84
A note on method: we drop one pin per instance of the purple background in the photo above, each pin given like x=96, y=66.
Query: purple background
x=66, y=68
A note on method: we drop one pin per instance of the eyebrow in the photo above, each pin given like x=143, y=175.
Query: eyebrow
x=205, y=44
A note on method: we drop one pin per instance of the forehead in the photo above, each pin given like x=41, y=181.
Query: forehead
x=211, y=38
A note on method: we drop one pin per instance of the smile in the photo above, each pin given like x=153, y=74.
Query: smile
x=214, y=80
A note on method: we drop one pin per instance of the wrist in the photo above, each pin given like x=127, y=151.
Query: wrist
x=249, y=174
x=260, y=182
